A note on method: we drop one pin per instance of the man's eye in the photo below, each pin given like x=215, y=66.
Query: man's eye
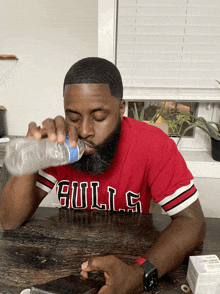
x=99, y=118
x=74, y=119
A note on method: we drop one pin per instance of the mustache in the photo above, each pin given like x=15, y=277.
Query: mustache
x=89, y=144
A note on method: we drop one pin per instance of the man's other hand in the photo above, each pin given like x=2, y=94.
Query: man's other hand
x=120, y=277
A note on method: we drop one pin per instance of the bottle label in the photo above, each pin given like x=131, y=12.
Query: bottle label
x=73, y=152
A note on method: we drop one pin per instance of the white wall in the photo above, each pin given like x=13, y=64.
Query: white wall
x=47, y=36
x=209, y=195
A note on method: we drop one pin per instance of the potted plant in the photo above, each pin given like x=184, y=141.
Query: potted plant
x=153, y=121
x=173, y=121
x=176, y=121
x=214, y=134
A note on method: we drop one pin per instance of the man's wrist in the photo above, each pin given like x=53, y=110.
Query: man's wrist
x=138, y=273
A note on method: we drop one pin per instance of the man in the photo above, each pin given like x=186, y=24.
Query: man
x=126, y=163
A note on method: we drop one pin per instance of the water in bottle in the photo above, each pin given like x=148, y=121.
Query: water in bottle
x=26, y=156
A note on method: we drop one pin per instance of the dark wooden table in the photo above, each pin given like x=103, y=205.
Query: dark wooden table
x=55, y=242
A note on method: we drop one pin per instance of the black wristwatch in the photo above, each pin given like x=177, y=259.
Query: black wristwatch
x=150, y=274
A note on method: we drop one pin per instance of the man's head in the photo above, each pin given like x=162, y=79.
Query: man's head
x=95, y=70
x=94, y=109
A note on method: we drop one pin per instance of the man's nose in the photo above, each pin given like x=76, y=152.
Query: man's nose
x=86, y=128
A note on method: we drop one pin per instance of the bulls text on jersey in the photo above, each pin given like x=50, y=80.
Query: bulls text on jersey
x=77, y=197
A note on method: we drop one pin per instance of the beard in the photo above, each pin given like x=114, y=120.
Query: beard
x=100, y=161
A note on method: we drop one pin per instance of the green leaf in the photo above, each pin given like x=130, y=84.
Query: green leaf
x=142, y=114
x=135, y=113
x=158, y=113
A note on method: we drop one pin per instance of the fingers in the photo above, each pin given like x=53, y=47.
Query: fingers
x=98, y=263
x=53, y=129
x=120, y=277
x=49, y=126
x=73, y=137
x=85, y=267
x=60, y=129
x=34, y=131
x=84, y=274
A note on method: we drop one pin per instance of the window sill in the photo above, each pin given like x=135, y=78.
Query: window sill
x=201, y=164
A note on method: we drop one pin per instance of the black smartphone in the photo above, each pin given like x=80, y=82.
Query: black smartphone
x=71, y=284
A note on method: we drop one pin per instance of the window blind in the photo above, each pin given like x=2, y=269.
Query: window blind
x=169, y=49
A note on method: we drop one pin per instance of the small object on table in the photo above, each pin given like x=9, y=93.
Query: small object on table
x=203, y=274
x=4, y=140
x=185, y=288
x=70, y=284
x=26, y=291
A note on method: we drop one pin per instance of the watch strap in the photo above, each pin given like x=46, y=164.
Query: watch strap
x=151, y=274
x=148, y=266
x=140, y=260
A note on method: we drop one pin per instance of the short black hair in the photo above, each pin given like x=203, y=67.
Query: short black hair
x=95, y=70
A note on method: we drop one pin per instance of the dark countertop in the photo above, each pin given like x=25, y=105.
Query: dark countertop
x=55, y=242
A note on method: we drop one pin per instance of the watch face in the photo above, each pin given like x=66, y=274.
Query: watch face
x=151, y=281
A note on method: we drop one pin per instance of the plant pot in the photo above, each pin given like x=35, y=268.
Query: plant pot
x=215, y=149
x=162, y=126
x=176, y=139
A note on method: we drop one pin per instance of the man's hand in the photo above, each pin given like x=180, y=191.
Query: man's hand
x=120, y=277
x=53, y=129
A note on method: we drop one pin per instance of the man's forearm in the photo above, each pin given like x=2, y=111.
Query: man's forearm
x=179, y=239
x=18, y=201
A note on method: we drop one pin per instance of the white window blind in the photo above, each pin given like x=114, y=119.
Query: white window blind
x=169, y=49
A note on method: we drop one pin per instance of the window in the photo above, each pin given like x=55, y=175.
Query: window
x=169, y=114
x=167, y=51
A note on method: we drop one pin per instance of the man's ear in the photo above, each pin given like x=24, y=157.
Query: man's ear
x=122, y=108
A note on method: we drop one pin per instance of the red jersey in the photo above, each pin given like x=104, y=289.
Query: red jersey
x=147, y=164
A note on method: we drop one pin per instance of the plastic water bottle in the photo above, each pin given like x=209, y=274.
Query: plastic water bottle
x=26, y=156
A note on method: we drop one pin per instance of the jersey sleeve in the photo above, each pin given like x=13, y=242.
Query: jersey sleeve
x=171, y=181
x=46, y=179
